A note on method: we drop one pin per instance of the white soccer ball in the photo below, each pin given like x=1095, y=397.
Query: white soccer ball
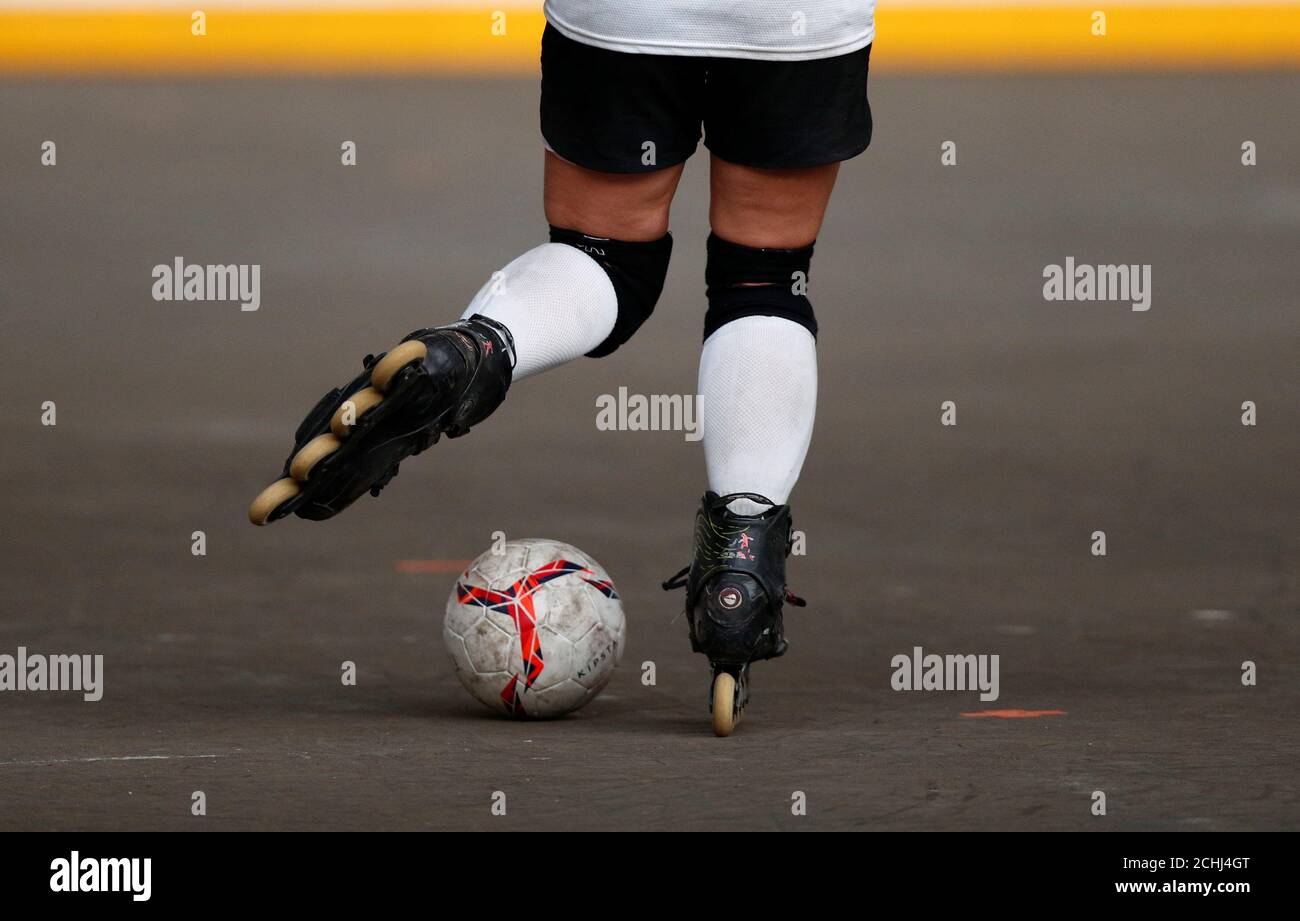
x=534, y=628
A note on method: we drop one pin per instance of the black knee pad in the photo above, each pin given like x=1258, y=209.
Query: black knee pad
x=744, y=281
x=637, y=271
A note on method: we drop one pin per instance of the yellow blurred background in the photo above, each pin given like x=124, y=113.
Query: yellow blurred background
x=144, y=37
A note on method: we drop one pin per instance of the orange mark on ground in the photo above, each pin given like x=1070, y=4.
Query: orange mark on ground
x=1013, y=714
x=432, y=565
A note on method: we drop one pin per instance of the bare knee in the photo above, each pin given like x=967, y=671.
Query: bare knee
x=622, y=206
x=769, y=207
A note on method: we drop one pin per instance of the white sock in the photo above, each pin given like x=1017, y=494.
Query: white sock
x=557, y=302
x=758, y=382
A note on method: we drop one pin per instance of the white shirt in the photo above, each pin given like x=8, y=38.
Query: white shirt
x=774, y=30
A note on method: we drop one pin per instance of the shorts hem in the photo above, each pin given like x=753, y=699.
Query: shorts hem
x=804, y=162
x=602, y=165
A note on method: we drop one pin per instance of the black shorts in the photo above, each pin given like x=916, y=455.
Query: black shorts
x=636, y=113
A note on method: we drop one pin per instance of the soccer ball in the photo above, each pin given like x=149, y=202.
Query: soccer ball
x=534, y=628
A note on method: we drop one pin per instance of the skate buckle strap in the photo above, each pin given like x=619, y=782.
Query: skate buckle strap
x=677, y=581
x=378, y=486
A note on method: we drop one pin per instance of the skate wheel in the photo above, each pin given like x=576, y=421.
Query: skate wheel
x=360, y=403
x=382, y=374
x=312, y=453
x=271, y=498
x=725, y=715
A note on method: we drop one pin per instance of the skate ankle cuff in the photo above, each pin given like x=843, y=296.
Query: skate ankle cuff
x=500, y=331
x=726, y=542
x=761, y=503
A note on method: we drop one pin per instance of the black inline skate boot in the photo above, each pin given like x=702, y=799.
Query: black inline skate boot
x=435, y=382
x=735, y=590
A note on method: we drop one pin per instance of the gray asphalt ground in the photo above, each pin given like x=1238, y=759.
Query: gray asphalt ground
x=222, y=671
